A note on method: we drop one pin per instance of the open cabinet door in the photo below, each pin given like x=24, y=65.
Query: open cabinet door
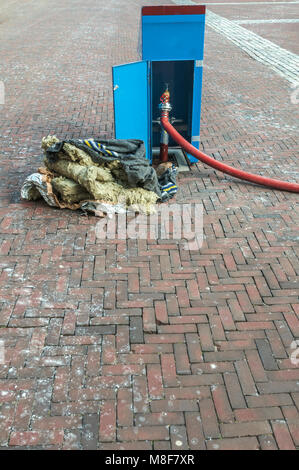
x=197, y=85
x=131, y=102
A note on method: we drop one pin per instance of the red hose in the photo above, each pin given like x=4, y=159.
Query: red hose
x=243, y=175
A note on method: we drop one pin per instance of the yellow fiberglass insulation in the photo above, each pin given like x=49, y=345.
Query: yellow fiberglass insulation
x=101, y=182
x=106, y=172
x=86, y=176
x=69, y=190
x=76, y=155
x=49, y=141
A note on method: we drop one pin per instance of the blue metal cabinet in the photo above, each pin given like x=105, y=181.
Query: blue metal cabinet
x=172, y=52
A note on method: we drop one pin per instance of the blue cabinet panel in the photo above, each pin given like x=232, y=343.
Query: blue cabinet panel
x=196, y=109
x=173, y=37
x=131, y=102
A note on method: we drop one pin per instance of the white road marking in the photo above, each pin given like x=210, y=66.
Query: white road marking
x=283, y=62
x=237, y=3
x=291, y=20
x=190, y=2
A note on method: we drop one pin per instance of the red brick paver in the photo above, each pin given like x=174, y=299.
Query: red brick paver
x=141, y=344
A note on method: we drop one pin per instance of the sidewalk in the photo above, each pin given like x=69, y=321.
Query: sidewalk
x=141, y=344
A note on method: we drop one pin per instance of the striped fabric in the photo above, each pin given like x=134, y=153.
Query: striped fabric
x=98, y=147
x=170, y=188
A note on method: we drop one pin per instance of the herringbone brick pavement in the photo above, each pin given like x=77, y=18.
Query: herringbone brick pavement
x=140, y=344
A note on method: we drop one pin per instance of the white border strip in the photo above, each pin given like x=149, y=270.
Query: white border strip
x=280, y=20
x=283, y=62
